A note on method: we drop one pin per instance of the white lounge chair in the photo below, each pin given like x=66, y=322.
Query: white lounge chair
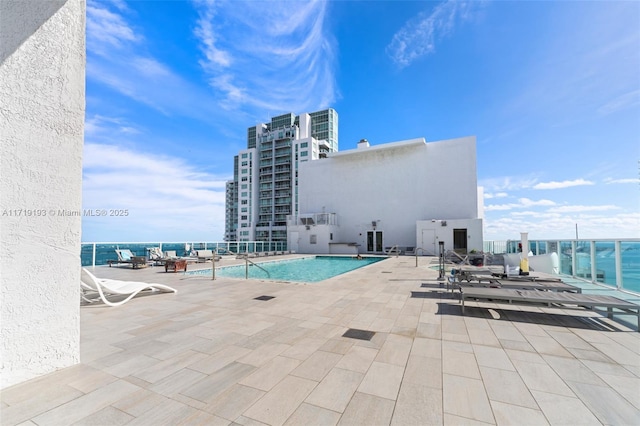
x=104, y=287
x=204, y=255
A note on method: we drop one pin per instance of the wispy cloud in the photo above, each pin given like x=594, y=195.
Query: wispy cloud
x=508, y=183
x=267, y=57
x=489, y=195
x=107, y=29
x=563, y=184
x=118, y=57
x=562, y=226
x=522, y=203
x=163, y=194
x=621, y=102
x=588, y=70
x=609, y=181
x=97, y=125
x=418, y=37
x=570, y=209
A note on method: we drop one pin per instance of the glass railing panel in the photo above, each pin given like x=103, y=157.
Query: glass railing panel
x=542, y=247
x=107, y=251
x=605, y=262
x=630, y=262
x=583, y=259
x=564, y=256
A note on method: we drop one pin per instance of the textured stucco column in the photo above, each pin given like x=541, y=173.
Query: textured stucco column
x=42, y=104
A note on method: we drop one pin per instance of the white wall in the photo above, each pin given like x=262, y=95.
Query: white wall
x=42, y=99
x=323, y=236
x=430, y=232
x=393, y=184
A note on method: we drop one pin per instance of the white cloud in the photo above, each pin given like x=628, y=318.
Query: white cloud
x=205, y=32
x=164, y=195
x=418, y=37
x=526, y=202
x=556, y=226
x=107, y=29
x=569, y=209
x=609, y=181
x=495, y=195
x=267, y=58
x=508, y=183
x=563, y=184
x=118, y=57
x=98, y=125
x=621, y=102
x=522, y=203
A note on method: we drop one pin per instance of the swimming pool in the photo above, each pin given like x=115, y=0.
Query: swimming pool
x=307, y=269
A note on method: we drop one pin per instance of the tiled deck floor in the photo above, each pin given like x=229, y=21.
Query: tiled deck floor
x=213, y=355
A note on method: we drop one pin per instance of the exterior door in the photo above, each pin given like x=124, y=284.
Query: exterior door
x=460, y=241
x=295, y=236
x=428, y=243
x=374, y=241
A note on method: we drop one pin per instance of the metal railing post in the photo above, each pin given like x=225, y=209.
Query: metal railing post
x=618, y=257
x=94, y=255
x=592, y=252
x=573, y=258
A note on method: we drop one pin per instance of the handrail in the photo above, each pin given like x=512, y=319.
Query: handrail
x=247, y=261
x=423, y=250
x=397, y=250
x=464, y=260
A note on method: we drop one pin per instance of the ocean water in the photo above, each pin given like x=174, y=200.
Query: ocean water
x=106, y=251
x=605, y=262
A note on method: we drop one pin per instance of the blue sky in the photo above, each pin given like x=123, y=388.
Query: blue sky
x=551, y=90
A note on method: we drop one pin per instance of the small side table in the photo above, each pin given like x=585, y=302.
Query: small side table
x=175, y=265
x=139, y=262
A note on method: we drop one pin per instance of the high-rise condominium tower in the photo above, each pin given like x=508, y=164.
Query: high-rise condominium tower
x=264, y=190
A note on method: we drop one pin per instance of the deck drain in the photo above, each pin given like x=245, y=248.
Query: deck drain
x=264, y=298
x=354, y=333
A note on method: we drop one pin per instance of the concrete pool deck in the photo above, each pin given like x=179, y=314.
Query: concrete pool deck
x=212, y=354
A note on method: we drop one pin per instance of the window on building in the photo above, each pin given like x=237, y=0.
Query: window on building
x=244, y=163
x=244, y=155
x=244, y=210
x=331, y=236
x=244, y=202
x=244, y=186
x=304, y=154
x=304, y=144
x=313, y=239
x=244, y=194
x=244, y=178
x=244, y=217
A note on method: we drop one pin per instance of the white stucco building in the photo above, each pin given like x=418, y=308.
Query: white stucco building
x=42, y=104
x=411, y=194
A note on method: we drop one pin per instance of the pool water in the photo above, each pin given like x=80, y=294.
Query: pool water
x=308, y=269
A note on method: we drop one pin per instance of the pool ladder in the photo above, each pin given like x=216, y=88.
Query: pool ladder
x=246, y=267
